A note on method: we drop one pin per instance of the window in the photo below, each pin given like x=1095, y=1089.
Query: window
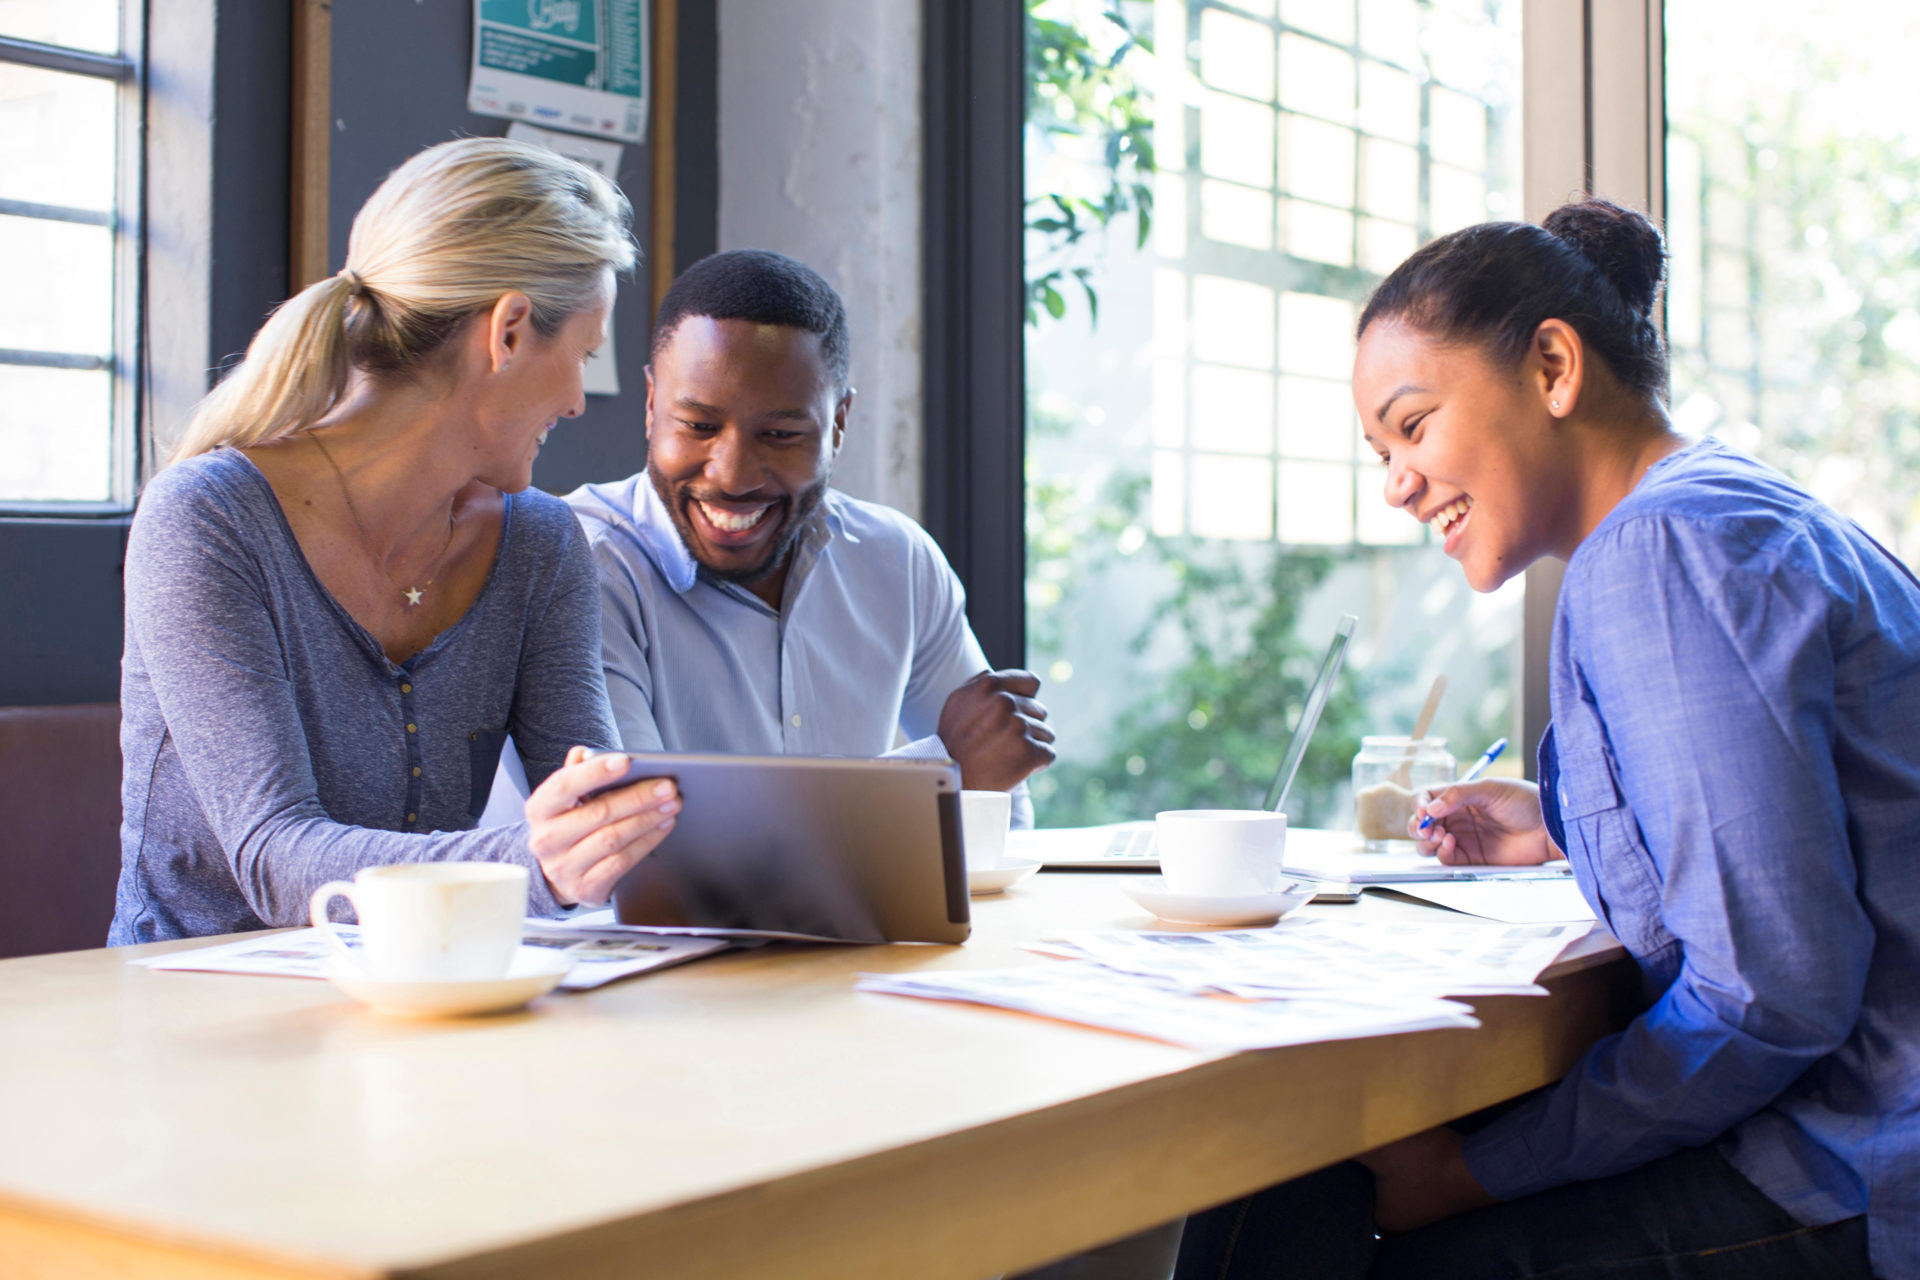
x=1213, y=189
x=1793, y=207
x=69, y=243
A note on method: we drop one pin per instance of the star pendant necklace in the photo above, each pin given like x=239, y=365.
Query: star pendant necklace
x=413, y=594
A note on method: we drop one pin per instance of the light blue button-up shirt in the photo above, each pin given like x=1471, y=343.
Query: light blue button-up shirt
x=870, y=637
x=1734, y=773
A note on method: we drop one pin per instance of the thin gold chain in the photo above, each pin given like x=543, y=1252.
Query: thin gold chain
x=412, y=594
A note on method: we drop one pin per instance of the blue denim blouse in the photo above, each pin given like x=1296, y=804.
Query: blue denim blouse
x=1734, y=773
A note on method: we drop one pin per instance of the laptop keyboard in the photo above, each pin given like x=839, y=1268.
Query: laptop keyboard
x=1131, y=844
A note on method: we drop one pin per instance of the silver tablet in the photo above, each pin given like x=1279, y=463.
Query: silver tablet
x=834, y=847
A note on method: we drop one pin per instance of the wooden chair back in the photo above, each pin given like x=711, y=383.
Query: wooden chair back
x=59, y=826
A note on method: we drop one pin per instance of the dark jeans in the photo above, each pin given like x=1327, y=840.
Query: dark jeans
x=1690, y=1215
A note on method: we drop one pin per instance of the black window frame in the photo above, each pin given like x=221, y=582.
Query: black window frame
x=974, y=462
x=127, y=70
x=1594, y=106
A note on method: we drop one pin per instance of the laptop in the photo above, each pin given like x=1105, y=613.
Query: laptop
x=1128, y=846
x=830, y=847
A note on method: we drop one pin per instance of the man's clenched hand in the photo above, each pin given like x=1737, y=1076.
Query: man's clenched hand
x=996, y=731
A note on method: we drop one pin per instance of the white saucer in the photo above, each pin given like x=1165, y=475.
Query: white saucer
x=1010, y=872
x=534, y=972
x=1183, y=908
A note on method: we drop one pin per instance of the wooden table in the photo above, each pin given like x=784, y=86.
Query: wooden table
x=747, y=1116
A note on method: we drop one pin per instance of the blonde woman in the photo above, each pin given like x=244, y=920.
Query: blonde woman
x=342, y=595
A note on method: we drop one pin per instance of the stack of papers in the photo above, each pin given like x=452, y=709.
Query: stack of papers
x=1534, y=900
x=1302, y=981
x=602, y=922
x=1096, y=996
x=1346, y=863
x=303, y=953
x=1374, y=960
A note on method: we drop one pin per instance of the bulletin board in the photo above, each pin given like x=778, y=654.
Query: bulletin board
x=374, y=82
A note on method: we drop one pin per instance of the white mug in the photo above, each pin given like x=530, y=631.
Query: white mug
x=984, y=816
x=1220, y=853
x=431, y=921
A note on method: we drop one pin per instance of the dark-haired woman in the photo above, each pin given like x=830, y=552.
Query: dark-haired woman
x=1733, y=770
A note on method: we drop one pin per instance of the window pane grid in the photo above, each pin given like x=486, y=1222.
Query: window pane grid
x=1793, y=310
x=53, y=57
x=68, y=147
x=1200, y=503
x=1328, y=191
x=56, y=213
x=90, y=29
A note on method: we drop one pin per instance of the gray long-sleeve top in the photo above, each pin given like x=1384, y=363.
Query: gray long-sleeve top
x=269, y=744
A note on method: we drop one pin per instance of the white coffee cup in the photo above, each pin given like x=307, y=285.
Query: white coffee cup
x=984, y=817
x=431, y=921
x=1220, y=853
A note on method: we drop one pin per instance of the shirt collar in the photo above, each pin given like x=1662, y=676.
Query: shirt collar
x=653, y=526
x=660, y=537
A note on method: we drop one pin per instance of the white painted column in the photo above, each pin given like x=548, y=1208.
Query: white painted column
x=820, y=158
x=180, y=123
x=1595, y=120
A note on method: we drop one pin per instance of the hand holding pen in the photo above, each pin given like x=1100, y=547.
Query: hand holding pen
x=1474, y=770
x=1495, y=821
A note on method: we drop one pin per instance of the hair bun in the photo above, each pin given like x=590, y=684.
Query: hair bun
x=1620, y=242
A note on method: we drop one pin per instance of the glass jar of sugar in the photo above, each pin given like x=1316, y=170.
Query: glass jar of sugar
x=1388, y=776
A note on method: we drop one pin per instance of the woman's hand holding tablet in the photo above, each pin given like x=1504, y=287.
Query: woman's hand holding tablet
x=585, y=836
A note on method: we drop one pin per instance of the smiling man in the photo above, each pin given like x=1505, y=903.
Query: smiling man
x=750, y=608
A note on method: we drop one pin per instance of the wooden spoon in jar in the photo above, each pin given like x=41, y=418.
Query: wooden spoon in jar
x=1403, y=776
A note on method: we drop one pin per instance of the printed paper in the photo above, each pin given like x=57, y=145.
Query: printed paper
x=303, y=953
x=579, y=65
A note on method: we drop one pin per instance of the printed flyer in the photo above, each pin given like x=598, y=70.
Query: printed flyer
x=579, y=65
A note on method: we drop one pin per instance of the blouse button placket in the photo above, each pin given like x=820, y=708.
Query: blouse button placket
x=415, y=774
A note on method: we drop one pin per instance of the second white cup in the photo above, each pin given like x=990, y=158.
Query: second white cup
x=984, y=817
x=1220, y=853
x=432, y=921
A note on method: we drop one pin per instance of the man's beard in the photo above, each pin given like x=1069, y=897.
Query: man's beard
x=799, y=514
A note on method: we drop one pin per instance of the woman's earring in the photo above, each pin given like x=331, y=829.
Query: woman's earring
x=1554, y=405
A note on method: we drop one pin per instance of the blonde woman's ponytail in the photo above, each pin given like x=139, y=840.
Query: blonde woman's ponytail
x=440, y=241
x=294, y=372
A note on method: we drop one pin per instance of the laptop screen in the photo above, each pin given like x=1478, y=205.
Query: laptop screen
x=1310, y=714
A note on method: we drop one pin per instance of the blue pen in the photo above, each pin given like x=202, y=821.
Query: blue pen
x=1479, y=767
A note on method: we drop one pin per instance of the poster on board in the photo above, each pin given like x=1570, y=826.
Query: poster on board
x=579, y=65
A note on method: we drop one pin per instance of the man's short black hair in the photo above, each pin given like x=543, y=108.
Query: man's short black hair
x=762, y=287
